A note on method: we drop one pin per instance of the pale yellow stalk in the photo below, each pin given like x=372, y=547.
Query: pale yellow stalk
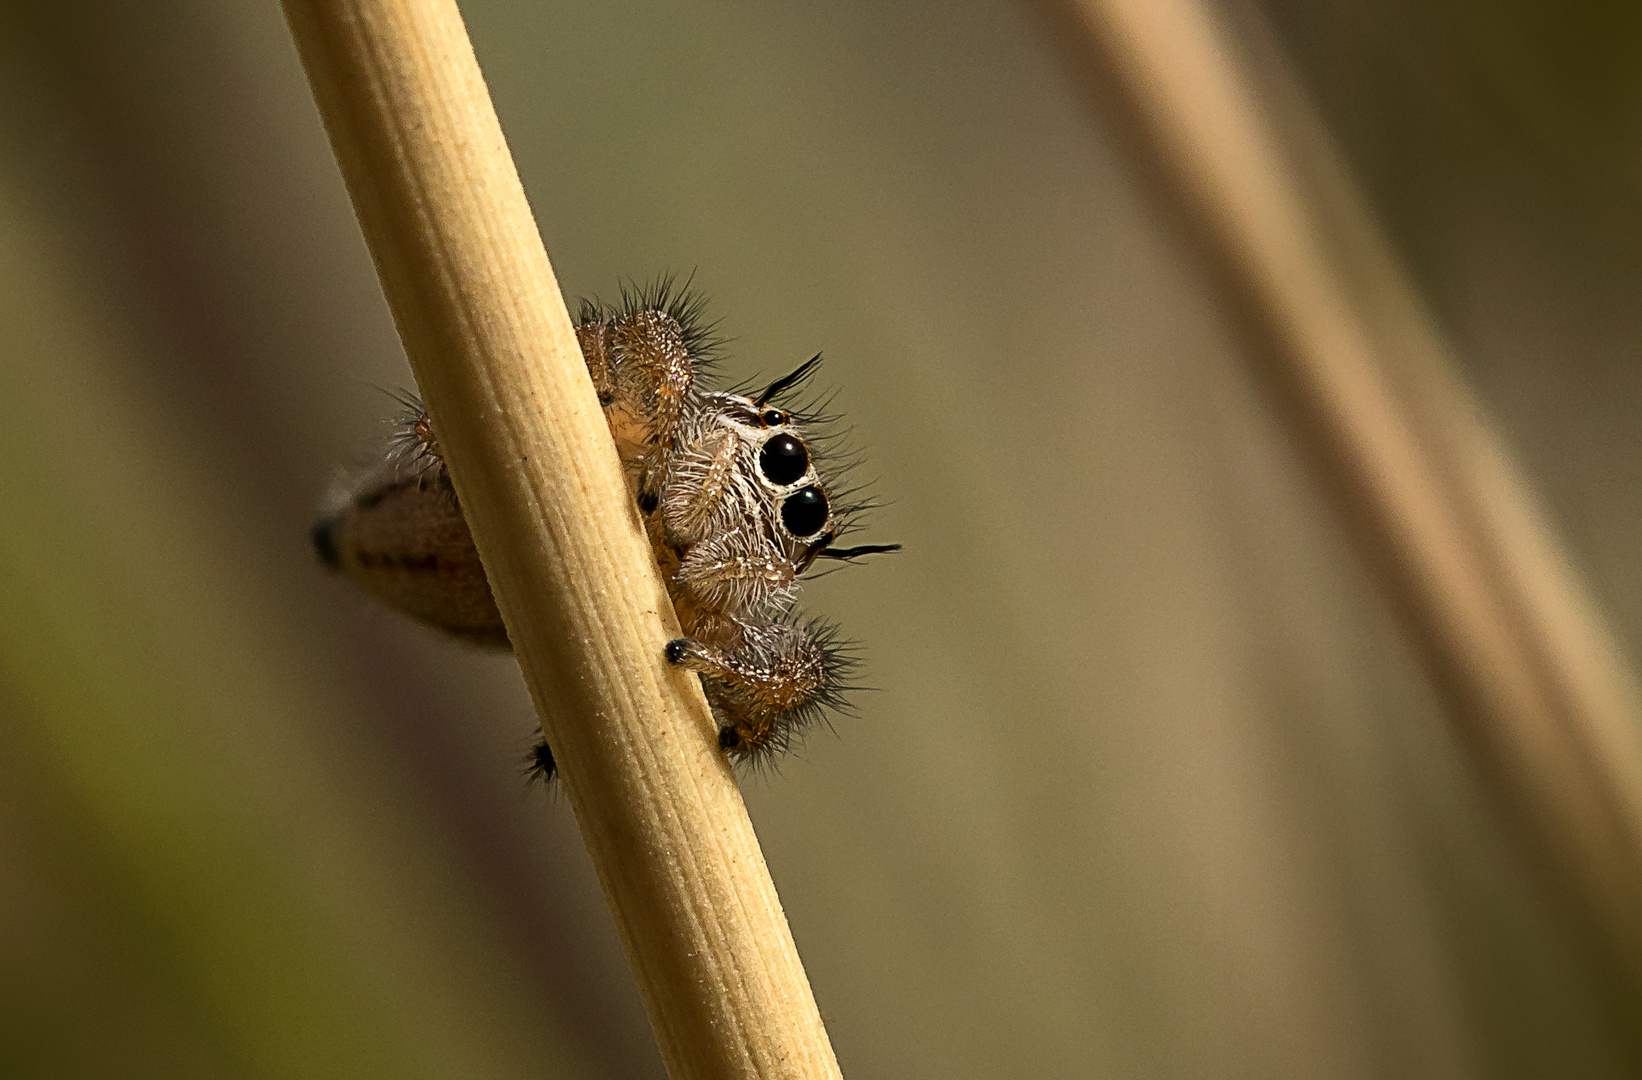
x=497, y=363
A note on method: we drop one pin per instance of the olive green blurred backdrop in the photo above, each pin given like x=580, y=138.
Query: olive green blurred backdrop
x=1149, y=786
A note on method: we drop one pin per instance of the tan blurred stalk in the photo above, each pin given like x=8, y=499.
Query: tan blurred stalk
x=1539, y=689
x=494, y=353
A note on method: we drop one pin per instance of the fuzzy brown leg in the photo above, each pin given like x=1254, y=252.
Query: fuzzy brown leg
x=765, y=690
x=594, y=338
x=653, y=371
x=425, y=442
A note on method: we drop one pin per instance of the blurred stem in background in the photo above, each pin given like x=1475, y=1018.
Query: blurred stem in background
x=156, y=689
x=1537, y=686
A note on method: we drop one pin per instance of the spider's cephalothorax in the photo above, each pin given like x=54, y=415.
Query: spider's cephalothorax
x=735, y=502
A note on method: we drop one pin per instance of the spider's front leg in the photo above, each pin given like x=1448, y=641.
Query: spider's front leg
x=654, y=373
x=771, y=686
x=594, y=338
x=702, y=493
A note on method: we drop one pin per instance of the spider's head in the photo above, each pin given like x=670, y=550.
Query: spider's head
x=785, y=468
x=777, y=460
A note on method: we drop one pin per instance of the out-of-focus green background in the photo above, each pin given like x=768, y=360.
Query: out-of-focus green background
x=1150, y=786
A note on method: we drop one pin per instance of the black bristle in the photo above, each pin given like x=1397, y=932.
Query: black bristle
x=857, y=552
x=589, y=311
x=664, y=294
x=788, y=382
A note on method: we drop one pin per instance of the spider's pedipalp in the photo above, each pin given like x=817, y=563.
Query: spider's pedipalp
x=739, y=573
x=594, y=339
x=685, y=307
x=654, y=375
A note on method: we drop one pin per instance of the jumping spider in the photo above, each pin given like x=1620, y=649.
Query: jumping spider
x=733, y=499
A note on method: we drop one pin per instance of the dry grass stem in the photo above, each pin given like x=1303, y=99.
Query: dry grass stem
x=486, y=330
x=1541, y=693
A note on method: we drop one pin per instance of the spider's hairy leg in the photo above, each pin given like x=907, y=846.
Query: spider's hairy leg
x=539, y=763
x=766, y=690
x=701, y=497
x=654, y=371
x=401, y=537
x=594, y=338
x=738, y=573
x=419, y=435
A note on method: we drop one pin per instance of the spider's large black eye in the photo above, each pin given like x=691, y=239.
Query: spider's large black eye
x=772, y=418
x=804, y=512
x=783, y=460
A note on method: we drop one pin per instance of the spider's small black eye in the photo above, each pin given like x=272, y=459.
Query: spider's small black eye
x=804, y=512
x=783, y=460
x=772, y=418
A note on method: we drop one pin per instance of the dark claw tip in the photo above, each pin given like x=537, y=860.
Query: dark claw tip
x=539, y=763
x=323, y=538
x=677, y=650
